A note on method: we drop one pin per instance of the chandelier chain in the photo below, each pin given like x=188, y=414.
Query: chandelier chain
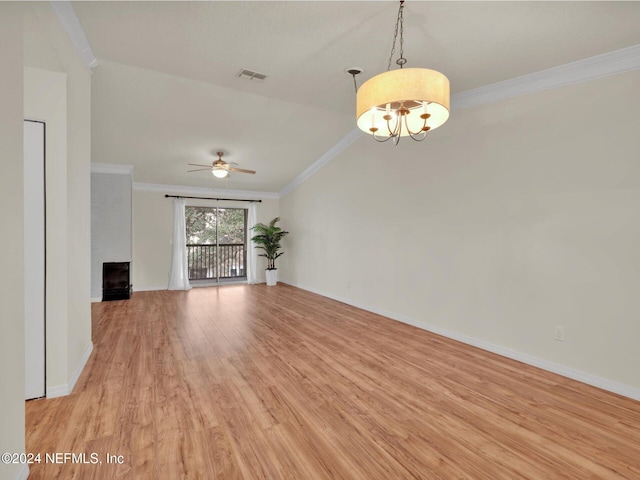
x=401, y=60
x=400, y=27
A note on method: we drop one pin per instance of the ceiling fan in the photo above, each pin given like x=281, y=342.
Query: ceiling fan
x=220, y=168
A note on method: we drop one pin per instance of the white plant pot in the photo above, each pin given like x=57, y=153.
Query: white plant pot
x=272, y=277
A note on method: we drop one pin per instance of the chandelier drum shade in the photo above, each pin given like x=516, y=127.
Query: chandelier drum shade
x=407, y=102
x=414, y=99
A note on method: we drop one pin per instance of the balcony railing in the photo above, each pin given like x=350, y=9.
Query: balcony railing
x=225, y=260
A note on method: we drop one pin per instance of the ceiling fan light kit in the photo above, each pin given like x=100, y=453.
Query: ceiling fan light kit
x=219, y=168
x=219, y=172
x=403, y=102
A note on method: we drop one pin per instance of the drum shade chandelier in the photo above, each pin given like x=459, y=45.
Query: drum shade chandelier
x=402, y=102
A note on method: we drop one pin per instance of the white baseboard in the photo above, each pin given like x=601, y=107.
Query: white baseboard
x=150, y=288
x=193, y=285
x=66, y=389
x=218, y=284
x=23, y=473
x=584, y=377
x=96, y=299
x=58, y=391
x=81, y=365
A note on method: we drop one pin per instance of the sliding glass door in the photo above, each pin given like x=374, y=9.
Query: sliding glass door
x=216, y=243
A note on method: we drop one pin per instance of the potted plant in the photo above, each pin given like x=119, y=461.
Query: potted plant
x=268, y=239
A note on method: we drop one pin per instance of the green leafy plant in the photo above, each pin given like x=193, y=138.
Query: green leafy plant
x=268, y=239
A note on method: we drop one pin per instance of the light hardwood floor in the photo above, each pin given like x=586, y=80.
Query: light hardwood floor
x=258, y=382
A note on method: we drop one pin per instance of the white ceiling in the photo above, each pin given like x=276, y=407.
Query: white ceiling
x=166, y=91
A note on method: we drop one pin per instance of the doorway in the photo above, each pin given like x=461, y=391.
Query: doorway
x=216, y=243
x=34, y=259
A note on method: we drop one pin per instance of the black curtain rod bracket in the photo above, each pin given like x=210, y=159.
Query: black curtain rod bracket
x=218, y=199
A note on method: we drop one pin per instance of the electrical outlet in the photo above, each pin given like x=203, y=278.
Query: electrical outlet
x=560, y=334
x=348, y=285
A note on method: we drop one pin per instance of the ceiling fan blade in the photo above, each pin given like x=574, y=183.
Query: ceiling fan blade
x=198, y=165
x=241, y=170
x=199, y=169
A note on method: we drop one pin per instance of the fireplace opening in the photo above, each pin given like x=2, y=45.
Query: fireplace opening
x=115, y=281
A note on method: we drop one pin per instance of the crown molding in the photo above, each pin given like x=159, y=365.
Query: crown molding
x=71, y=24
x=334, y=151
x=607, y=64
x=611, y=63
x=187, y=190
x=114, y=168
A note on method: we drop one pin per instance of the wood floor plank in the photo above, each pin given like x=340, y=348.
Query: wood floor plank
x=255, y=382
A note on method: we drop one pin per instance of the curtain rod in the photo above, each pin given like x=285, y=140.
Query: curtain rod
x=209, y=198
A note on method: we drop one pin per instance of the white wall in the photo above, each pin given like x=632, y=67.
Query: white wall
x=74, y=321
x=110, y=224
x=12, y=437
x=45, y=99
x=62, y=101
x=153, y=236
x=512, y=219
x=79, y=201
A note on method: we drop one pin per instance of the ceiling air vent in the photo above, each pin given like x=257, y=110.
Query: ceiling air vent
x=251, y=75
